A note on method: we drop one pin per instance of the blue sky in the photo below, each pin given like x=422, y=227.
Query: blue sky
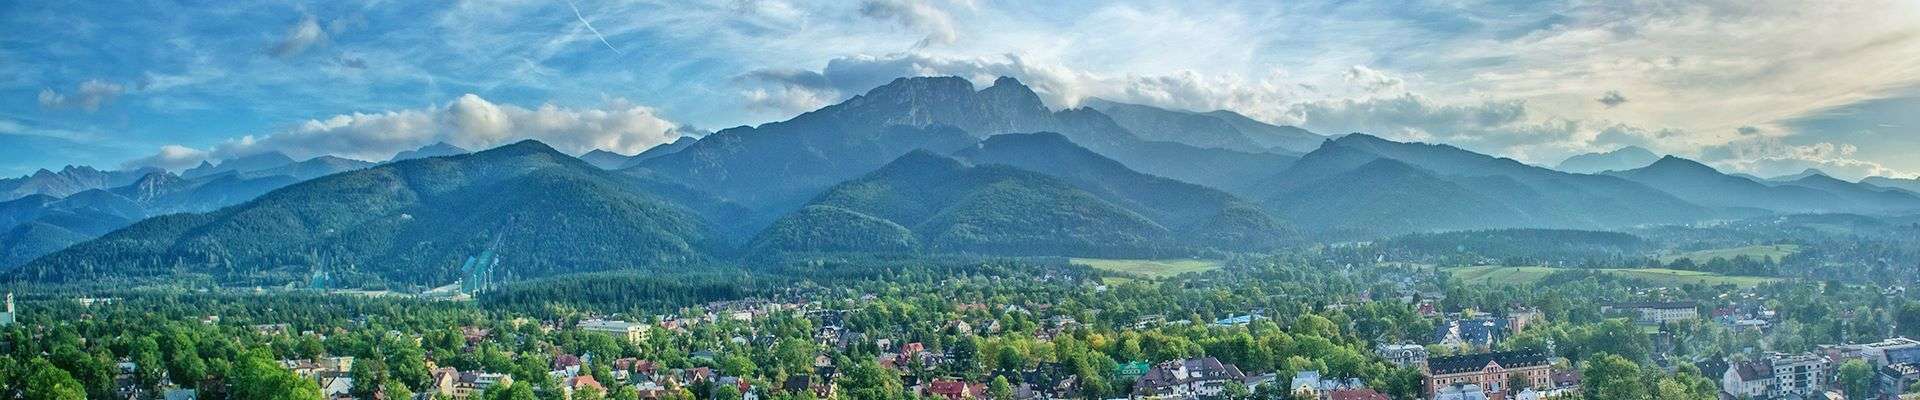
x=1764, y=87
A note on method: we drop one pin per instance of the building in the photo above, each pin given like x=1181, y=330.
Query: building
x=472, y=382
x=1465, y=391
x=1355, y=394
x=1488, y=371
x=1798, y=374
x=1403, y=354
x=1658, y=312
x=1309, y=385
x=1747, y=380
x=7, y=318
x=1471, y=333
x=1896, y=378
x=1189, y=378
x=1898, y=350
x=621, y=329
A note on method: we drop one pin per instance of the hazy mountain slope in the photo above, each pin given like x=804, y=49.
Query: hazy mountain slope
x=1621, y=159
x=411, y=221
x=438, y=149
x=1189, y=209
x=1273, y=137
x=1525, y=196
x=605, y=159
x=1223, y=169
x=1388, y=196
x=992, y=209
x=1163, y=125
x=1907, y=184
x=67, y=181
x=1862, y=198
x=661, y=150
x=776, y=167
x=1704, y=185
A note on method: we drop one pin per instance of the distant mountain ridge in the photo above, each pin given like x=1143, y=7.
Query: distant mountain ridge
x=1497, y=192
x=1216, y=129
x=411, y=221
x=67, y=181
x=1620, y=159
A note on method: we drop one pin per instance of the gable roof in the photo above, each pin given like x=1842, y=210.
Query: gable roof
x=1475, y=362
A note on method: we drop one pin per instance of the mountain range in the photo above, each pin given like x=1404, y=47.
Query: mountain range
x=921, y=165
x=1621, y=159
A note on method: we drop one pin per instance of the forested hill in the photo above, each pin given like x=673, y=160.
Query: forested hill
x=414, y=221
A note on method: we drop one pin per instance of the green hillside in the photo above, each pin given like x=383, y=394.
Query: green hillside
x=413, y=221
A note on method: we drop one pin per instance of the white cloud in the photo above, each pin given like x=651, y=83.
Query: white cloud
x=470, y=122
x=1769, y=156
x=299, y=37
x=171, y=157
x=922, y=15
x=90, y=95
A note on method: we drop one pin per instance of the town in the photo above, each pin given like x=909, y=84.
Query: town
x=995, y=329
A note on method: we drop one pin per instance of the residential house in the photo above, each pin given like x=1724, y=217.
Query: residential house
x=1488, y=371
x=1187, y=378
x=1405, y=354
x=1751, y=379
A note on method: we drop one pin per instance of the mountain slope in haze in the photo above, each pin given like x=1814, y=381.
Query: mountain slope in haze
x=1620, y=159
x=1858, y=197
x=605, y=159
x=438, y=149
x=660, y=150
x=1812, y=193
x=1216, y=129
x=67, y=181
x=1529, y=196
x=1196, y=212
x=776, y=167
x=1907, y=184
x=1798, y=176
x=52, y=223
x=951, y=206
x=413, y=221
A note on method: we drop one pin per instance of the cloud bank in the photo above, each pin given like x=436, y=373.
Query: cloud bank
x=470, y=122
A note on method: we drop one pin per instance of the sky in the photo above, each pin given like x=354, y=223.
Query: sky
x=1756, y=86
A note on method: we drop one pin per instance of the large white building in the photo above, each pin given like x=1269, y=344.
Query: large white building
x=1802, y=374
x=633, y=332
x=1404, y=355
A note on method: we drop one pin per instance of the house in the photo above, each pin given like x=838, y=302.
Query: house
x=1488, y=371
x=1898, y=350
x=1474, y=333
x=582, y=382
x=1655, y=313
x=633, y=332
x=1308, y=384
x=1404, y=355
x=954, y=389
x=1463, y=391
x=1896, y=378
x=1798, y=374
x=1187, y=378
x=472, y=382
x=1751, y=379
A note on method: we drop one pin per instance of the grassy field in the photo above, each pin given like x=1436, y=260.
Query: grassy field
x=1777, y=251
x=1527, y=275
x=1149, y=268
